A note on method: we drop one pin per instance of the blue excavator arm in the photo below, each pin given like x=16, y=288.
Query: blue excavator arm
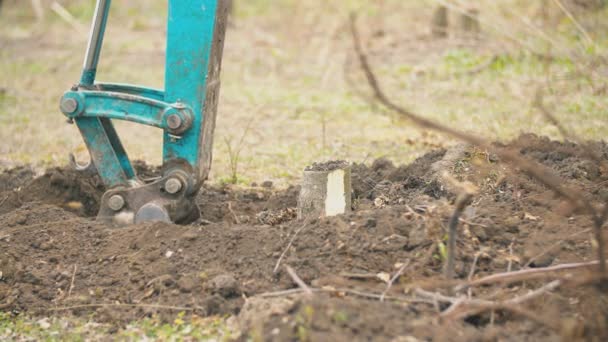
x=184, y=110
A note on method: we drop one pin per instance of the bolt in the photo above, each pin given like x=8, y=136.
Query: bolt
x=68, y=105
x=174, y=121
x=173, y=185
x=116, y=202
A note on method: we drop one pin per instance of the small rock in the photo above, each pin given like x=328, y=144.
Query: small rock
x=479, y=232
x=543, y=261
x=225, y=285
x=500, y=263
x=46, y=294
x=603, y=194
x=417, y=236
x=57, y=179
x=213, y=305
x=29, y=278
x=267, y=184
x=512, y=224
x=18, y=219
x=169, y=254
x=161, y=282
x=45, y=246
x=381, y=201
x=186, y=284
x=190, y=236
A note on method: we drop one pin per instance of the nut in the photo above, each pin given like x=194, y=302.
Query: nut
x=173, y=185
x=116, y=202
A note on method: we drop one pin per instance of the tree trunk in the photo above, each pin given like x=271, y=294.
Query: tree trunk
x=439, y=24
x=469, y=23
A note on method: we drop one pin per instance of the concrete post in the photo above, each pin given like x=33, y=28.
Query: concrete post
x=326, y=190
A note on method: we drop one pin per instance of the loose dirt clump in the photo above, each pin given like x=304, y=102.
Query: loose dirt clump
x=327, y=166
x=367, y=270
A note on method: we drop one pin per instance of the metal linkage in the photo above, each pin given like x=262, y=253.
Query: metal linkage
x=185, y=110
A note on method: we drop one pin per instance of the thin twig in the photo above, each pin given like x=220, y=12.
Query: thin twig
x=461, y=203
x=473, y=265
x=4, y=199
x=283, y=293
x=294, y=276
x=359, y=275
x=472, y=273
x=276, y=267
x=459, y=302
x=448, y=299
x=100, y=305
x=64, y=14
x=467, y=222
x=533, y=294
x=72, y=282
x=524, y=274
x=576, y=22
x=454, y=306
x=392, y=280
x=236, y=219
x=344, y=291
x=510, y=263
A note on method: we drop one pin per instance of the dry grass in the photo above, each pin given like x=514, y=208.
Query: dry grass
x=286, y=68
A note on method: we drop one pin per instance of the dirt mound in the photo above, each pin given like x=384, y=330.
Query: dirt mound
x=57, y=260
x=69, y=189
x=15, y=178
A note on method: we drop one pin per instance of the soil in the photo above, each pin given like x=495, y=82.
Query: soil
x=56, y=259
x=327, y=166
